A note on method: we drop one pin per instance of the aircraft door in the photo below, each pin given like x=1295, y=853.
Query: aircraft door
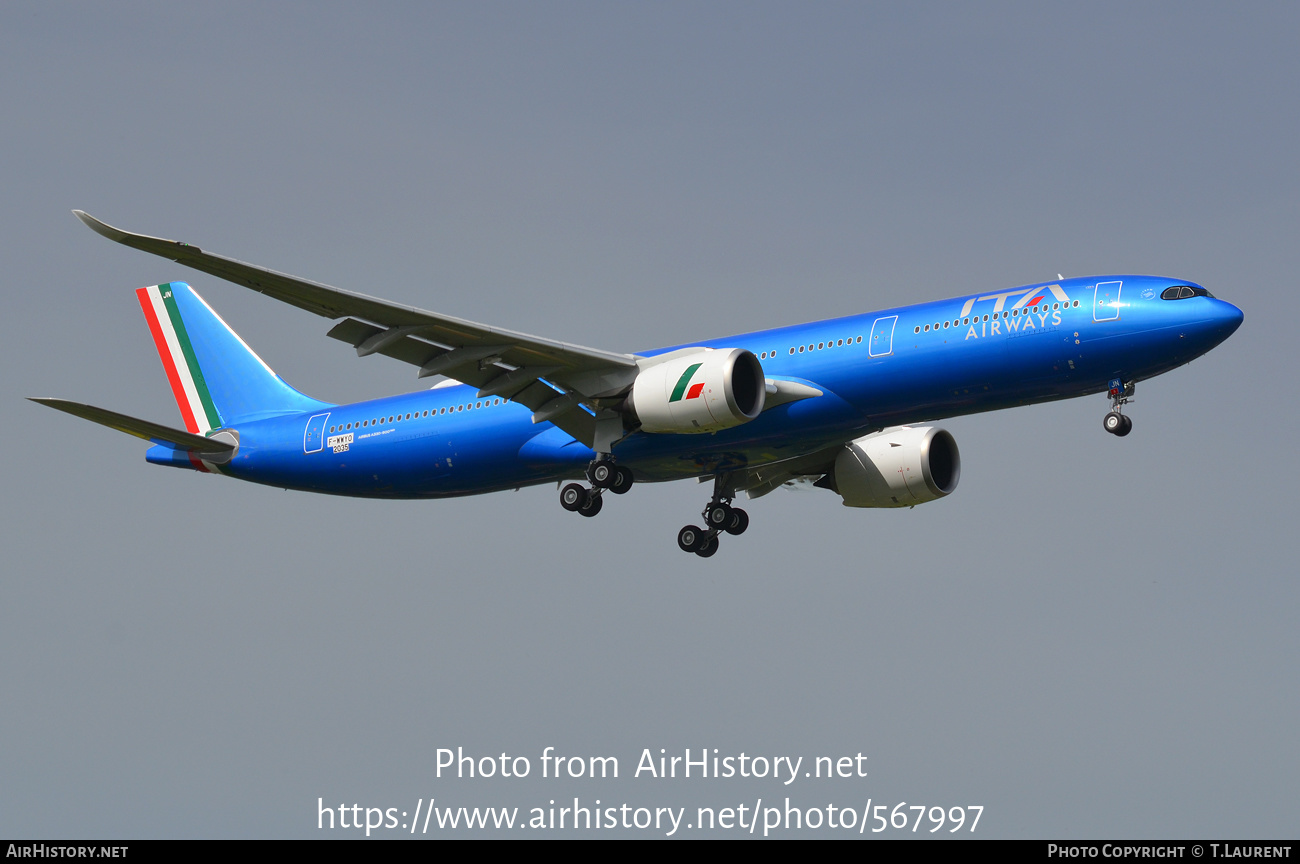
x=1105, y=301
x=313, y=437
x=882, y=336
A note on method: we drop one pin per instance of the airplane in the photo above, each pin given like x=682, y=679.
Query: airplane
x=839, y=404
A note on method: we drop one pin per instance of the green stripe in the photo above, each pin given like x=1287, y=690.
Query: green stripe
x=183, y=337
x=683, y=381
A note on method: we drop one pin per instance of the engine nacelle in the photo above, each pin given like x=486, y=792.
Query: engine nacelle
x=898, y=467
x=699, y=392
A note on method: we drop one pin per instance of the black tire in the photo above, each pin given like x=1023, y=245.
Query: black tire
x=1126, y=428
x=709, y=547
x=690, y=538
x=1113, y=423
x=603, y=473
x=718, y=515
x=622, y=481
x=572, y=497
x=739, y=522
x=592, y=505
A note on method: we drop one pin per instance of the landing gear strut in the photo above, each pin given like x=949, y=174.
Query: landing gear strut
x=604, y=473
x=1115, y=422
x=719, y=516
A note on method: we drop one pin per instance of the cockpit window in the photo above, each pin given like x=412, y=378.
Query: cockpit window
x=1182, y=292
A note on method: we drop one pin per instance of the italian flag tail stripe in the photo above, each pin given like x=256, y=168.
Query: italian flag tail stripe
x=178, y=359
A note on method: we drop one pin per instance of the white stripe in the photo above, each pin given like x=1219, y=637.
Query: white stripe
x=178, y=359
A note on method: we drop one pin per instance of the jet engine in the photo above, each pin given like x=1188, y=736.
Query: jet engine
x=898, y=467
x=701, y=391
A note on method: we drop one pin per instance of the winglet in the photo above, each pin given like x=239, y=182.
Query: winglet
x=137, y=241
x=99, y=227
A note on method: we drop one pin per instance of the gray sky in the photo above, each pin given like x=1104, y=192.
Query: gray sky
x=1091, y=638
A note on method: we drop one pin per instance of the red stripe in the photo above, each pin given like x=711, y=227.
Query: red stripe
x=1036, y=299
x=173, y=377
x=695, y=391
x=197, y=463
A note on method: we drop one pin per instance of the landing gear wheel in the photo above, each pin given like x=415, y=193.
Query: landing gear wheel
x=690, y=538
x=572, y=497
x=739, y=522
x=622, y=480
x=592, y=505
x=709, y=546
x=1126, y=428
x=602, y=473
x=1114, y=423
x=718, y=515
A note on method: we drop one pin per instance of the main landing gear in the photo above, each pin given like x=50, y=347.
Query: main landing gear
x=719, y=516
x=603, y=473
x=1115, y=422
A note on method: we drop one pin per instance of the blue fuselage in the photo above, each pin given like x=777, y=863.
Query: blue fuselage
x=889, y=368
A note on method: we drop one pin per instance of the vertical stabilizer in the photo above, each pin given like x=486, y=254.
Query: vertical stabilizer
x=216, y=378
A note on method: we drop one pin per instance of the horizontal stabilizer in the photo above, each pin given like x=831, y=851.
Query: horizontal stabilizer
x=142, y=428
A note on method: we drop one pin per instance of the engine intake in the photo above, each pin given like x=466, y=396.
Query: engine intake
x=899, y=467
x=704, y=391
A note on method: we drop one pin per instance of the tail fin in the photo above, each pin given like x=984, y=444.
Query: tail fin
x=216, y=378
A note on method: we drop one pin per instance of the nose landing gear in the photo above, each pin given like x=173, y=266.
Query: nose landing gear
x=1115, y=422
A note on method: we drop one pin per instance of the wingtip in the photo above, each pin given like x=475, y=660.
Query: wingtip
x=98, y=227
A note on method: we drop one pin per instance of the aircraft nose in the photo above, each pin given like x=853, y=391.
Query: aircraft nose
x=1228, y=317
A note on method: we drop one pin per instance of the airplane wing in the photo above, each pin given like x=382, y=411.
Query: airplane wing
x=554, y=379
